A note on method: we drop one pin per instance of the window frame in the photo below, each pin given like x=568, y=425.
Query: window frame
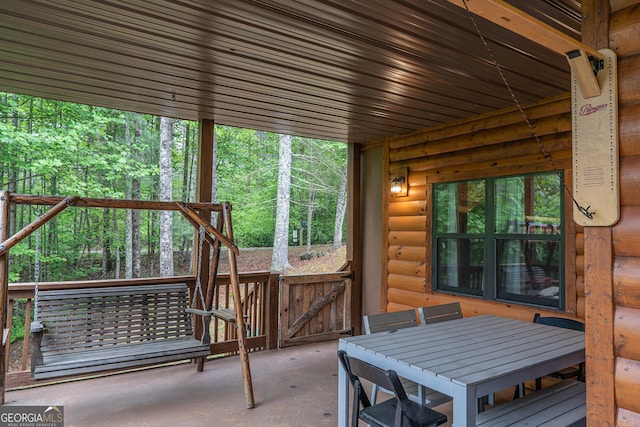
x=489, y=286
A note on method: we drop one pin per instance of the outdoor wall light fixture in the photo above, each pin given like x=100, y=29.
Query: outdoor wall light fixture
x=396, y=184
x=399, y=185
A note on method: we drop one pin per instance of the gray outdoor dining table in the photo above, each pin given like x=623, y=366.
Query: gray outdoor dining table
x=466, y=358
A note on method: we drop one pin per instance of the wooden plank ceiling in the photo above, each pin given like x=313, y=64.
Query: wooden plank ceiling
x=344, y=70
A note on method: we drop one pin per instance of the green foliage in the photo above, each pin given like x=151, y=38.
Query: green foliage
x=18, y=320
x=254, y=227
x=57, y=148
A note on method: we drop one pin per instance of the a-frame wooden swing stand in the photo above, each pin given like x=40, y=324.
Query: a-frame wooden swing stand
x=164, y=347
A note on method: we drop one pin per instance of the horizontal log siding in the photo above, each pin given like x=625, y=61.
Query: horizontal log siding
x=629, y=130
x=407, y=253
x=629, y=84
x=626, y=233
x=630, y=180
x=488, y=145
x=626, y=282
x=407, y=268
x=627, y=332
x=418, y=208
x=626, y=384
x=407, y=238
x=401, y=299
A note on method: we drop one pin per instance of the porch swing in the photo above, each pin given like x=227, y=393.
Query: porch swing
x=89, y=330
x=86, y=330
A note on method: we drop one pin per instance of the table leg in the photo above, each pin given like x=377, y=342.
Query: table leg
x=465, y=406
x=343, y=397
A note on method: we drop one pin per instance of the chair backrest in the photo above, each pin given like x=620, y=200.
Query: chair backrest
x=389, y=321
x=360, y=397
x=440, y=313
x=560, y=322
x=356, y=369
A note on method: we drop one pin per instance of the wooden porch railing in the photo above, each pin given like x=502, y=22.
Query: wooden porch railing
x=259, y=294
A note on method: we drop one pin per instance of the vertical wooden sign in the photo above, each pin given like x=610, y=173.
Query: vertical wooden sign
x=595, y=148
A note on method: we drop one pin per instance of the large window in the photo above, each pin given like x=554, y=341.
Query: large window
x=501, y=239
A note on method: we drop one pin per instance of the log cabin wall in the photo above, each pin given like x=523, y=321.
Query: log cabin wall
x=624, y=40
x=495, y=144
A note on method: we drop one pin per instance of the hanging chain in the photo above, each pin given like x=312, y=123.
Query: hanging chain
x=36, y=276
x=198, y=289
x=543, y=150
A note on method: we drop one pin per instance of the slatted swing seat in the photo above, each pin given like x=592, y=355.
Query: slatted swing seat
x=88, y=330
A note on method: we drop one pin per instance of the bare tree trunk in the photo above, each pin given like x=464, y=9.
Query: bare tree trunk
x=132, y=246
x=166, y=189
x=106, y=243
x=133, y=240
x=136, y=243
x=185, y=163
x=13, y=175
x=214, y=169
x=341, y=210
x=310, y=201
x=5, y=119
x=128, y=229
x=115, y=232
x=280, y=257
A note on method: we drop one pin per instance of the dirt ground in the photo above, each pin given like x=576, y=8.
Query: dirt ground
x=326, y=259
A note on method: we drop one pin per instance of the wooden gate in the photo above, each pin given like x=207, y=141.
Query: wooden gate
x=314, y=308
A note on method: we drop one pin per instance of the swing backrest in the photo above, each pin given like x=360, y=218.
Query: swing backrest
x=99, y=329
x=77, y=318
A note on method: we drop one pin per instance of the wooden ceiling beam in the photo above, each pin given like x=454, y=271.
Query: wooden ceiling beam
x=517, y=21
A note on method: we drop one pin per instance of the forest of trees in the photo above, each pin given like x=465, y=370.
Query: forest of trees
x=58, y=148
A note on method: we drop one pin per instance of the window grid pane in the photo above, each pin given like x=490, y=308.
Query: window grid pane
x=461, y=207
x=523, y=268
x=460, y=265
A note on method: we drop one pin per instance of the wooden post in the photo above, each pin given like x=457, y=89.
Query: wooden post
x=4, y=287
x=354, y=234
x=599, y=319
x=239, y=311
x=271, y=310
x=204, y=184
x=211, y=283
x=387, y=207
x=598, y=266
x=213, y=270
x=204, y=191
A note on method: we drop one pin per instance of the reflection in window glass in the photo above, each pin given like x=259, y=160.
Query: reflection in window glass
x=460, y=263
x=461, y=207
x=529, y=268
x=501, y=238
x=528, y=205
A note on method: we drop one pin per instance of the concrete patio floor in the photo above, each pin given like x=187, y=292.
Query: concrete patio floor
x=296, y=386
